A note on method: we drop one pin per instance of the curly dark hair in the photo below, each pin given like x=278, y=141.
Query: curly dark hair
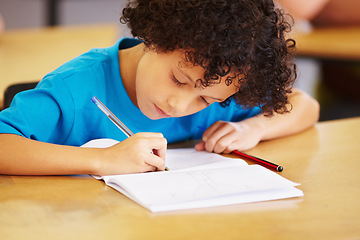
x=244, y=39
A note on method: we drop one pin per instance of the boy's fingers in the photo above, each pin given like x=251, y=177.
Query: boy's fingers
x=220, y=138
x=210, y=131
x=158, y=146
x=153, y=142
x=156, y=162
x=154, y=145
x=224, y=143
x=149, y=168
x=149, y=135
x=200, y=146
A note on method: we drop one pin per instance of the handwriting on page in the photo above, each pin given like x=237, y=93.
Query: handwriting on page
x=182, y=186
x=199, y=179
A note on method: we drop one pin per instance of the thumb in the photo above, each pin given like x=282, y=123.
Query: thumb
x=200, y=146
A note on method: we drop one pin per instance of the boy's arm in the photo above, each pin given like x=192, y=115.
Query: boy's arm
x=22, y=156
x=324, y=12
x=304, y=113
x=227, y=136
x=305, y=9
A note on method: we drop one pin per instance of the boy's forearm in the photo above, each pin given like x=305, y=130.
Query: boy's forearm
x=304, y=114
x=305, y=9
x=335, y=12
x=22, y=156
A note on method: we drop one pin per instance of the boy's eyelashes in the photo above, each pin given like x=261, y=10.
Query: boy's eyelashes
x=179, y=84
x=207, y=103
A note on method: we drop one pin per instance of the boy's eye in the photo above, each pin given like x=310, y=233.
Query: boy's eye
x=207, y=103
x=177, y=82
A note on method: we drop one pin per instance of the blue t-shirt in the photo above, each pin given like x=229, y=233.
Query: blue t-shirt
x=59, y=110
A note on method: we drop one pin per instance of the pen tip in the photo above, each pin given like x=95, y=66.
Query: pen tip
x=93, y=99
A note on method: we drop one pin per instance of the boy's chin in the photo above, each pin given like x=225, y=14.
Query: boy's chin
x=152, y=116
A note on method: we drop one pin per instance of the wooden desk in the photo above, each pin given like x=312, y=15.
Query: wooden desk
x=28, y=55
x=330, y=43
x=324, y=159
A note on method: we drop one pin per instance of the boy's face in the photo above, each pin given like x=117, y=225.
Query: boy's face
x=166, y=87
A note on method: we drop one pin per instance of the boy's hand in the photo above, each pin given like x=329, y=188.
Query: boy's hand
x=225, y=137
x=134, y=155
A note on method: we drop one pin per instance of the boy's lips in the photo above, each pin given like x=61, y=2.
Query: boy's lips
x=161, y=112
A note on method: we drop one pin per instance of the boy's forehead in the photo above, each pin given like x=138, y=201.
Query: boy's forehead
x=219, y=90
x=196, y=75
x=191, y=67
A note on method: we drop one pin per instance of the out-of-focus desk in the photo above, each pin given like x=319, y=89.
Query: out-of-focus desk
x=337, y=49
x=324, y=159
x=28, y=55
x=342, y=43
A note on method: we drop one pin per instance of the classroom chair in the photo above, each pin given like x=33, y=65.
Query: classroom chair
x=12, y=90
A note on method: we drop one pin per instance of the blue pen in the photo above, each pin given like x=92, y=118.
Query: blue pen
x=114, y=119
x=201, y=128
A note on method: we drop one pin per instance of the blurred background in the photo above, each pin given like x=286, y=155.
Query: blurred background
x=334, y=82
x=20, y=14
x=329, y=71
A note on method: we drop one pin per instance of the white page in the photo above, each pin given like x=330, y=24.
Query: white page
x=100, y=143
x=250, y=197
x=199, y=179
x=185, y=189
x=186, y=158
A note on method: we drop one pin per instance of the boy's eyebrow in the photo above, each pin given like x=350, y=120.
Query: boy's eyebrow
x=186, y=75
x=191, y=80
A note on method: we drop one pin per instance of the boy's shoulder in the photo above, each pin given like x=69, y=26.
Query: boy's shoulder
x=96, y=59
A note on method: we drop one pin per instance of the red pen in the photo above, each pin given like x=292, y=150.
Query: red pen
x=260, y=161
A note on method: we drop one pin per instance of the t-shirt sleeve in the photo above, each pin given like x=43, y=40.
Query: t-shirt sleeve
x=243, y=113
x=45, y=113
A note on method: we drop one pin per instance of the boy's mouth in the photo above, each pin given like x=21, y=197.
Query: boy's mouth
x=161, y=112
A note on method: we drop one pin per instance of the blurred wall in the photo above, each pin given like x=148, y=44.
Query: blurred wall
x=33, y=13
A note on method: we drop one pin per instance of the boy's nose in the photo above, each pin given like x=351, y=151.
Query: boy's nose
x=179, y=104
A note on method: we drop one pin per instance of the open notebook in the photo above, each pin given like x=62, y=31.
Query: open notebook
x=197, y=180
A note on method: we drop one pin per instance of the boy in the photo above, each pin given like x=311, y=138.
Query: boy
x=191, y=61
